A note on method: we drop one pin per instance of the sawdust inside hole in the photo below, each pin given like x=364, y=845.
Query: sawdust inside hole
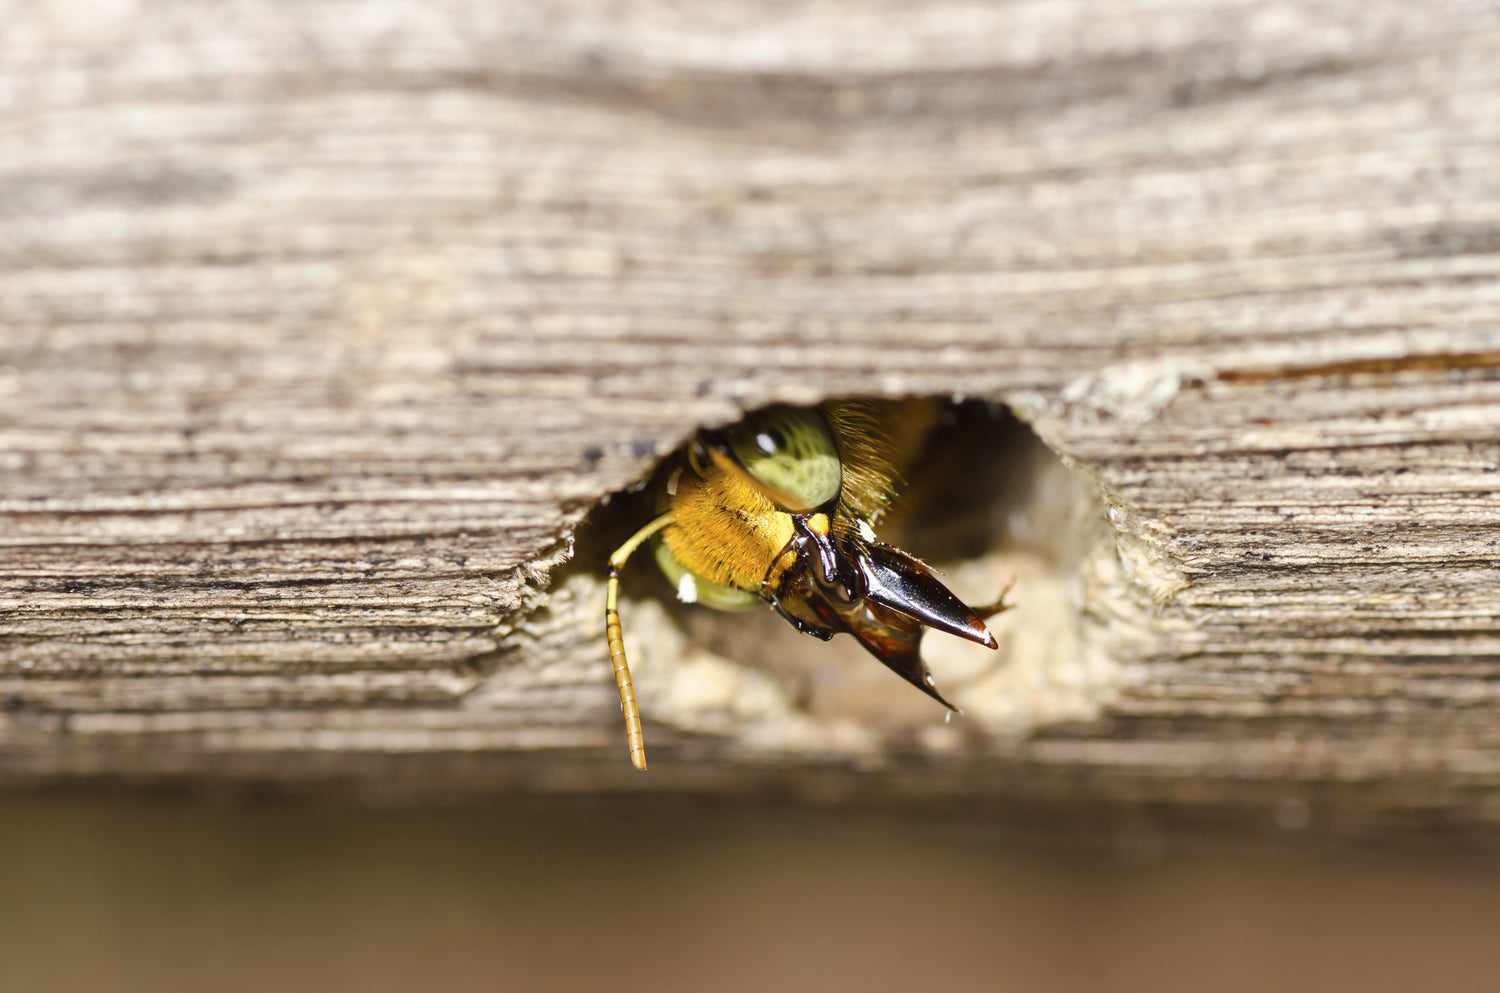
x=983, y=501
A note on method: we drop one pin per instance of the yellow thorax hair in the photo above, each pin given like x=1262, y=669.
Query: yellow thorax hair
x=873, y=440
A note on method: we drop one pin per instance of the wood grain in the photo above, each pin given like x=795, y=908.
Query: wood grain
x=322, y=328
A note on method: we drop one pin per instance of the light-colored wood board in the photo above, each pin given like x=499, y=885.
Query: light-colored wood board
x=321, y=330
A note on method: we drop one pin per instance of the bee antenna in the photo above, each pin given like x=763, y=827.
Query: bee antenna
x=616, y=638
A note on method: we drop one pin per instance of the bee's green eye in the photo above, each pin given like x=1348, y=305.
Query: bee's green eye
x=770, y=441
x=789, y=449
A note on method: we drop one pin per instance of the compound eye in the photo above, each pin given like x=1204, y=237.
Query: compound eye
x=770, y=441
x=792, y=452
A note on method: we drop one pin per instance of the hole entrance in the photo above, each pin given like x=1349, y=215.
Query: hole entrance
x=982, y=501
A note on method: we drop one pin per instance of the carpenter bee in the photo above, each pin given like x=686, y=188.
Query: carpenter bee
x=780, y=509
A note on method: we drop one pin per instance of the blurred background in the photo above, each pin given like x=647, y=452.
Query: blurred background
x=160, y=892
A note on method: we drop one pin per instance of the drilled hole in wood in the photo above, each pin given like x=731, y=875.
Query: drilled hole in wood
x=984, y=502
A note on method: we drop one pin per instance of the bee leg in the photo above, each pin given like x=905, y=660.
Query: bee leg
x=617, y=639
x=985, y=610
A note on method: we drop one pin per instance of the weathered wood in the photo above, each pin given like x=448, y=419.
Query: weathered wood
x=322, y=330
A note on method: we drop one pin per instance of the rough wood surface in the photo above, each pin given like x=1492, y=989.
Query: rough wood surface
x=321, y=328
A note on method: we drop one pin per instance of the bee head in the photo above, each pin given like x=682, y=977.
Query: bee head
x=790, y=452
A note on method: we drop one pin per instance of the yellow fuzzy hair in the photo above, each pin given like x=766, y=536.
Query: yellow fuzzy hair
x=726, y=530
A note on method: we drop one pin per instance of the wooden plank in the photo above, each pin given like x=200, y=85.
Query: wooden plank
x=321, y=331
